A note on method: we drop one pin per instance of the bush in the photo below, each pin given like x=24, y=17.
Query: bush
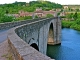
x=75, y=26
x=6, y=19
x=72, y=24
x=49, y=15
x=66, y=24
x=23, y=18
x=78, y=21
x=27, y=17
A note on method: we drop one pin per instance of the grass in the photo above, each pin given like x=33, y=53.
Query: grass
x=8, y=56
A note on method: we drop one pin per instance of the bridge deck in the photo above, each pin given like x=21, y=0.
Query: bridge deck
x=3, y=35
x=4, y=49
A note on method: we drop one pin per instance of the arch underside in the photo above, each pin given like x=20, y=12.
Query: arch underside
x=51, y=35
x=34, y=45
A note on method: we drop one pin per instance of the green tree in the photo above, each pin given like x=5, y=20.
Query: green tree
x=49, y=15
x=6, y=19
x=28, y=17
x=15, y=7
x=75, y=16
x=78, y=21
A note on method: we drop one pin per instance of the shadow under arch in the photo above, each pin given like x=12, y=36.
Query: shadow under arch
x=34, y=45
x=50, y=41
x=51, y=35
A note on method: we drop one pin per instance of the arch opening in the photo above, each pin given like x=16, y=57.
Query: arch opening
x=50, y=39
x=35, y=46
x=51, y=35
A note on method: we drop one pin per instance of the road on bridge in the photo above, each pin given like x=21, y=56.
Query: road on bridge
x=4, y=49
x=3, y=35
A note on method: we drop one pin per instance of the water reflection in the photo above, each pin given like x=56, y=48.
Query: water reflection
x=69, y=48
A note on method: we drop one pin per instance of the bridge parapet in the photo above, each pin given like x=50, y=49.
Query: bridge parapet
x=21, y=50
x=9, y=25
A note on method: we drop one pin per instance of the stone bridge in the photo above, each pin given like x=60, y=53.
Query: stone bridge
x=36, y=33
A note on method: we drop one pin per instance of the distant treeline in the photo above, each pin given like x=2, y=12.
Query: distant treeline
x=30, y=7
x=15, y=7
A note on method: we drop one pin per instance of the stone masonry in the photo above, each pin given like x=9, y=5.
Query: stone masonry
x=21, y=37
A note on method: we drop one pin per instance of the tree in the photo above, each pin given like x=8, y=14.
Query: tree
x=6, y=19
x=15, y=7
x=69, y=16
x=7, y=11
x=78, y=21
x=49, y=15
x=28, y=17
x=75, y=16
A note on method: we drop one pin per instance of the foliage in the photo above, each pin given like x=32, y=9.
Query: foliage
x=6, y=19
x=72, y=24
x=24, y=18
x=36, y=16
x=78, y=21
x=67, y=24
x=28, y=17
x=45, y=4
x=75, y=26
x=49, y=15
x=70, y=15
x=75, y=16
x=30, y=7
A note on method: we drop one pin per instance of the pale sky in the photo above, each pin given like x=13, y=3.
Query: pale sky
x=63, y=2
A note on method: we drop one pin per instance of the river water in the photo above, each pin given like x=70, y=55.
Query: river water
x=69, y=48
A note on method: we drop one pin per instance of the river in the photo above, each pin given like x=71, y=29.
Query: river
x=69, y=48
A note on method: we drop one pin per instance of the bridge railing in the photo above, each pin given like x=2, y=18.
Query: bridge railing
x=9, y=25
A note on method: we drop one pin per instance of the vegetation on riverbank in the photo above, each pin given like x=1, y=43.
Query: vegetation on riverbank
x=74, y=24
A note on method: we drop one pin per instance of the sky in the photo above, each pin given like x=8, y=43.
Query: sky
x=62, y=2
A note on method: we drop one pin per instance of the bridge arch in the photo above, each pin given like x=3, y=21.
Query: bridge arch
x=51, y=35
x=34, y=45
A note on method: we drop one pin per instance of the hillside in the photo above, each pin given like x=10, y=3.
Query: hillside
x=8, y=10
x=73, y=6
x=30, y=7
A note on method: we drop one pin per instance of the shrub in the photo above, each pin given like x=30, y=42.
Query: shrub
x=6, y=19
x=49, y=15
x=66, y=24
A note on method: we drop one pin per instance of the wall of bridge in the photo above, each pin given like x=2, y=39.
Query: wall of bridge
x=37, y=32
x=8, y=25
x=33, y=32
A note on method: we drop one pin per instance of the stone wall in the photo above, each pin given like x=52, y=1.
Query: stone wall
x=23, y=51
x=8, y=25
x=37, y=32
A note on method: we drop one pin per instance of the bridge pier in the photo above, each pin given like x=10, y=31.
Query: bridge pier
x=54, y=36
x=49, y=34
